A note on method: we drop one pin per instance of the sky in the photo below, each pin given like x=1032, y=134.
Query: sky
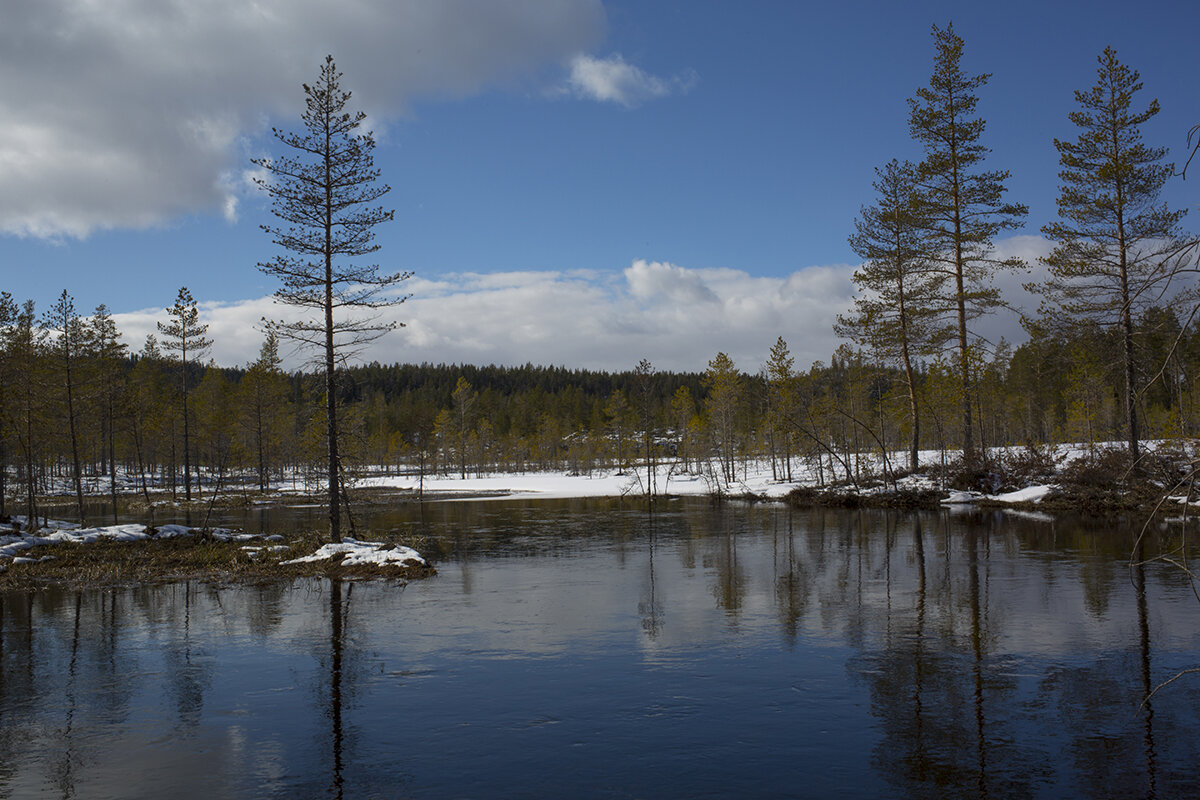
x=575, y=182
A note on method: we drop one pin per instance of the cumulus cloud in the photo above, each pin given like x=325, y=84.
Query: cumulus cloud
x=1006, y=323
x=677, y=317
x=650, y=279
x=613, y=80
x=127, y=113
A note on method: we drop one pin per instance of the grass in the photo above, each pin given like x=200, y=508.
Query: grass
x=179, y=559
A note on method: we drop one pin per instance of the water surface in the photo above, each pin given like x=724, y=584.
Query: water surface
x=588, y=649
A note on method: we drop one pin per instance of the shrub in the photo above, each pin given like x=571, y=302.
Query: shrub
x=1029, y=466
x=981, y=472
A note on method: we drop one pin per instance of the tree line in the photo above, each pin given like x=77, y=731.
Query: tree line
x=82, y=414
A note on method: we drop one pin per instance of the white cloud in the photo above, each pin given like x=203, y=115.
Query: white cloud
x=613, y=80
x=1006, y=323
x=128, y=113
x=675, y=316
x=649, y=279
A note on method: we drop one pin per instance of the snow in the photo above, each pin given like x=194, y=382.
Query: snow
x=356, y=553
x=59, y=532
x=360, y=554
x=1031, y=494
x=755, y=479
x=963, y=498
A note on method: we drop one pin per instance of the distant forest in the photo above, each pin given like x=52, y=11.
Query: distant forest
x=82, y=399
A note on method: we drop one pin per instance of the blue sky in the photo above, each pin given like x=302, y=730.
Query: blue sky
x=574, y=182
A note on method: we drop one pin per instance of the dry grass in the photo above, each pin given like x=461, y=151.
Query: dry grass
x=183, y=558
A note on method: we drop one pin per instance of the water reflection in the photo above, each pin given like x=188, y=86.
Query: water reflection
x=651, y=606
x=967, y=655
x=336, y=646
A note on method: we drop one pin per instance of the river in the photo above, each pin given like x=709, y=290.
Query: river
x=585, y=648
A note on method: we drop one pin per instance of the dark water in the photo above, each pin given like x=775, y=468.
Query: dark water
x=584, y=649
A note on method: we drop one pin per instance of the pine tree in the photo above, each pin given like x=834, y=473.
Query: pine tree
x=146, y=393
x=323, y=196
x=263, y=395
x=620, y=415
x=1118, y=250
x=896, y=308
x=780, y=378
x=643, y=398
x=8, y=317
x=108, y=353
x=24, y=343
x=464, y=399
x=683, y=410
x=214, y=423
x=67, y=352
x=724, y=385
x=962, y=204
x=185, y=335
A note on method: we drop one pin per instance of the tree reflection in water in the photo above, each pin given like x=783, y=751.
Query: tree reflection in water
x=336, y=645
x=651, y=607
x=944, y=701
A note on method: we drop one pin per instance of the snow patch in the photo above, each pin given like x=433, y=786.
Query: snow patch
x=361, y=554
x=1030, y=494
x=59, y=532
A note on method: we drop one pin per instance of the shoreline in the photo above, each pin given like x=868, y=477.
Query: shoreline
x=199, y=553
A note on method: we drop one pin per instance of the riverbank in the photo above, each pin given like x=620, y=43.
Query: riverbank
x=1051, y=479
x=123, y=555
x=1062, y=479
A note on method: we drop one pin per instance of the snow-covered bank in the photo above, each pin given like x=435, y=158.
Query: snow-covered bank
x=757, y=480
x=601, y=483
x=17, y=548
x=59, y=532
x=754, y=477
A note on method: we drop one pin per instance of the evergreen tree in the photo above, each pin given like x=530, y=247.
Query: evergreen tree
x=66, y=349
x=464, y=399
x=323, y=196
x=896, y=309
x=23, y=347
x=620, y=416
x=214, y=423
x=780, y=378
x=724, y=385
x=146, y=409
x=263, y=397
x=1117, y=249
x=683, y=411
x=962, y=204
x=643, y=398
x=108, y=353
x=8, y=317
x=185, y=335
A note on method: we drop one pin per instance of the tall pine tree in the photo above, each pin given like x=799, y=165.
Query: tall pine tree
x=185, y=335
x=963, y=204
x=324, y=195
x=1118, y=251
x=896, y=309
